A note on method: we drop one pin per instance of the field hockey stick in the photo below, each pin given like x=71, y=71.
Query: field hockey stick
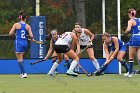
x=33, y=63
x=38, y=42
x=77, y=54
x=83, y=70
x=82, y=50
x=80, y=65
x=36, y=62
x=35, y=41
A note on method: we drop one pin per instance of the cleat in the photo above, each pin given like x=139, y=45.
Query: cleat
x=77, y=72
x=56, y=73
x=71, y=73
x=24, y=75
x=50, y=75
x=21, y=74
x=91, y=74
x=96, y=73
x=128, y=75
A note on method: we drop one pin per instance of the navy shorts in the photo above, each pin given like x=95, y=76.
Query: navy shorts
x=83, y=46
x=61, y=48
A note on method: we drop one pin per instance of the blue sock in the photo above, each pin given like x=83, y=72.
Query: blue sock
x=68, y=63
x=53, y=61
x=131, y=66
x=125, y=65
x=21, y=66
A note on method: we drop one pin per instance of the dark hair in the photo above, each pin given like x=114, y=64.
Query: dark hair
x=22, y=15
x=78, y=23
x=132, y=11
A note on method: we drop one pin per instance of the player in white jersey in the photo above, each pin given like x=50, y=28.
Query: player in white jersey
x=85, y=39
x=54, y=36
x=62, y=46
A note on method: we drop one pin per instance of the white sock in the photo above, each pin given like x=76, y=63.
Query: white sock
x=73, y=65
x=96, y=64
x=55, y=65
x=77, y=67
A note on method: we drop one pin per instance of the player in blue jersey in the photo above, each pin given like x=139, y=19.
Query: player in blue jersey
x=112, y=47
x=133, y=27
x=20, y=30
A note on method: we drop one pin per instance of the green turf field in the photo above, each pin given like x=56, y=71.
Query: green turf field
x=41, y=83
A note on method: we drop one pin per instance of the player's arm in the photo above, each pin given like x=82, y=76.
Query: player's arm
x=12, y=31
x=77, y=45
x=49, y=51
x=87, y=32
x=116, y=43
x=29, y=31
x=128, y=27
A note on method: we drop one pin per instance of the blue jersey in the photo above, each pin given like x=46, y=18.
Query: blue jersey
x=122, y=46
x=21, y=40
x=135, y=34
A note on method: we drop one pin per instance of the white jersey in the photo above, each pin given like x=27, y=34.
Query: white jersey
x=84, y=39
x=65, y=39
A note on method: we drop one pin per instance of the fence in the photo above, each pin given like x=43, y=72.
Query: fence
x=7, y=47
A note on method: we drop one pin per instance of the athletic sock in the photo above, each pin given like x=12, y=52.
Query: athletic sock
x=53, y=61
x=96, y=64
x=125, y=65
x=21, y=66
x=73, y=65
x=55, y=65
x=76, y=69
x=131, y=61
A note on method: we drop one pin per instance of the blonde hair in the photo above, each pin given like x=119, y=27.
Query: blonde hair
x=53, y=31
x=106, y=34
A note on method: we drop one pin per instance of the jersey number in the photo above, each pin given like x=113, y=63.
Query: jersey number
x=138, y=27
x=23, y=34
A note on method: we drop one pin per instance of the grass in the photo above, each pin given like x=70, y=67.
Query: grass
x=41, y=83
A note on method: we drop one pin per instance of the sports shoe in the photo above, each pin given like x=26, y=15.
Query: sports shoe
x=24, y=75
x=71, y=73
x=76, y=72
x=50, y=74
x=128, y=75
x=56, y=73
x=21, y=74
x=97, y=73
